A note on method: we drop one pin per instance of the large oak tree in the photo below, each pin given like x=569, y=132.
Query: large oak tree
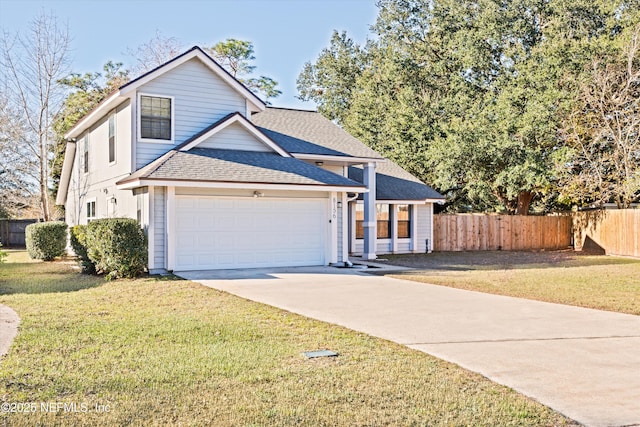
x=469, y=95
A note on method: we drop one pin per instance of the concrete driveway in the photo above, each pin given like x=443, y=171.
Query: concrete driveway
x=583, y=363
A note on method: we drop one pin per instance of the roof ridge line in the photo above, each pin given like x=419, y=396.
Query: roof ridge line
x=271, y=107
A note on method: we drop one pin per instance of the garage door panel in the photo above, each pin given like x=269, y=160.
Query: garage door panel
x=214, y=233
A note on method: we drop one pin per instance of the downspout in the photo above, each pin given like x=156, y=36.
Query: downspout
x=348, y=263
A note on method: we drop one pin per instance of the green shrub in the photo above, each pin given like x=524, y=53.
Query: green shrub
x=78, y=240
x=3, y=254
x=46, y=240
x=117, y=247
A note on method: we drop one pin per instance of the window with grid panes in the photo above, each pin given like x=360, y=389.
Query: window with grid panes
x=155, y=117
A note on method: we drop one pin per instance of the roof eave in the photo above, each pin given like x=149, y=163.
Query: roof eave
x=109, y=103
x=346, y=159
x=149, y=182
x=65, y=176
x=409, y=201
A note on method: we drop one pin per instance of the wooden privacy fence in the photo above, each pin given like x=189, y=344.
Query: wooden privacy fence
x=12, y=231
x=617, y=232
x=487, y=232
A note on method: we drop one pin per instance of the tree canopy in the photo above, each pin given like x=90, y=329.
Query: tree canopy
x=472, y=96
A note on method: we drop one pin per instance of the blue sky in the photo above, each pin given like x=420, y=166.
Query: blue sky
x=285, y=33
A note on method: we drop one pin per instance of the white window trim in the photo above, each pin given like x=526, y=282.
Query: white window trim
x=115, y=138
x=173, y=118
x=95, y=209
x=85, y=149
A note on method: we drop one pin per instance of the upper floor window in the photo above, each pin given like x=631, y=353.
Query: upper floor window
x=112, y=138
x=85, y=153
x=156, y=117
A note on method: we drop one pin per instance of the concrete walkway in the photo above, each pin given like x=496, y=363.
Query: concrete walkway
x=9, y=322
x=583, y=363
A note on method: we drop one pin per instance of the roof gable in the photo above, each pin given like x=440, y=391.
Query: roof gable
x=195, y=52
x=238, y=125
x=129, y=89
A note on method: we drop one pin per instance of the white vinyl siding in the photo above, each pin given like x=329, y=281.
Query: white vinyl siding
x=423, y=227
x=234, y=137
x=404, y=245
x=99, y=183
x=200, y=99
x=159, y=228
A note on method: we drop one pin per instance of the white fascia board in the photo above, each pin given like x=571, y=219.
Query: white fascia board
x=401, y=202
x=209, y=63
x=237, y=185
x=65, y=176
x=339, y=159
x=102, y=109
x=409, y=202
x=247, y=125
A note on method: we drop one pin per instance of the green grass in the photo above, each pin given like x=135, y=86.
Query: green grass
x=171, y=352
x=564, y=277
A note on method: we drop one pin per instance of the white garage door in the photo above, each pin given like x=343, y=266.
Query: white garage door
x=218, y=233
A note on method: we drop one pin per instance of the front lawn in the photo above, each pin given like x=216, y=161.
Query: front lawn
x=163, y=351
x=564, y=277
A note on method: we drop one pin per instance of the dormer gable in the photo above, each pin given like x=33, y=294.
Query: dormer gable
x=233, y=132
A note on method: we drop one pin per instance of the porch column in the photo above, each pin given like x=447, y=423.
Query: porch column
x=370, y=224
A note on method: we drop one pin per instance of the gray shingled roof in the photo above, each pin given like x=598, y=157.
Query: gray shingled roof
x=208, y=164
x=309, y=132
x=390, y=187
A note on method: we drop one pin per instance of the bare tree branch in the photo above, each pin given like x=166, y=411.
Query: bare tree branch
x=32, y=64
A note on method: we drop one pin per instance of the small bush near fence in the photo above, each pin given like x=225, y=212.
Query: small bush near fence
x=3, y=254
x=117, y=246
x=46, y=240
x=78, y=240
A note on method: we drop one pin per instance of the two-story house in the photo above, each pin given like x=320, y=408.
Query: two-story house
x=219, y=180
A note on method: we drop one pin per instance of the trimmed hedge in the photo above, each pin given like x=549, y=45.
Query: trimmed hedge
x=3, y=254
x=78, y=240
x=117, y=247
x=46, y=240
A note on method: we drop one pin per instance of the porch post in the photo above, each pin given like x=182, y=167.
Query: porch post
x=370, y=224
